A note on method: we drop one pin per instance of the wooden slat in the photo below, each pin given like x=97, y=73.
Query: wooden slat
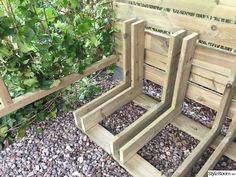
x=208, y=98
x=172, y=64
x=184, y=68
x=154, y=75
x=5, y=97
x=101, y=137
x=212, y=31
x=223, y=9
x=156, y=60
x=137, y=54
x=156, y=42
x=145, y=101
x=126, y=50
x=214, y=59
x=28, y=98
x=139, y=167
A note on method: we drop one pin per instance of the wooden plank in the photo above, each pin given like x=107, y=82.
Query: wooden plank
x=208, y=98
x=219, y=151
x=195, y=92
x=155, y=75
x=184, y=68
x=199, y=131
x=101, y=137
x=216, y=60
x=156, y=60
x=138, y=167
x=145, y=101
x=222, y=9
x=156, y=42
x=172, y=64
x=95, y=116
x=5, y=97
x=212, y=31
x=195, y=155
x=126, y=50
x=137, y=53
x=29, y=98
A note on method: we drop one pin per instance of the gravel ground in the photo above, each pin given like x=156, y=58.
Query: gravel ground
x=122, y=118
x=151, y=89
x=61, y=150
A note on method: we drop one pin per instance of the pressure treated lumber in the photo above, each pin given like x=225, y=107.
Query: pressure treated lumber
x=207, y=7
x=126, y=47
x=211, y=31
x=28, y=98
x=5, y=97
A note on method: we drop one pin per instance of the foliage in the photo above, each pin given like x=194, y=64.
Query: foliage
x=43, y=41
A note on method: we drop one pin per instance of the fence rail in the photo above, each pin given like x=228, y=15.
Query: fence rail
x=9, y=105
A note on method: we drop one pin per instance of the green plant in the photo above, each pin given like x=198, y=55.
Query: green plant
x=43, y=41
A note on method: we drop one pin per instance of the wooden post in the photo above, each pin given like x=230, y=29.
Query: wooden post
x=172, y=64
x=4, y=94
x=126, y=50
x=185, y=65
x=137, y=54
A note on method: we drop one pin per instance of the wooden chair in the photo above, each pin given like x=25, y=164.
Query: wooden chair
x=128, y=153
x=140, y=41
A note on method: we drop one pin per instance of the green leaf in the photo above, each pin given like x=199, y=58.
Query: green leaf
x=23, y=47
x=39, y=130
x=74, y=3
x=21, y=133
x=30, y=82
x=50, y=14
x=55, y=83
x=4, y=52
